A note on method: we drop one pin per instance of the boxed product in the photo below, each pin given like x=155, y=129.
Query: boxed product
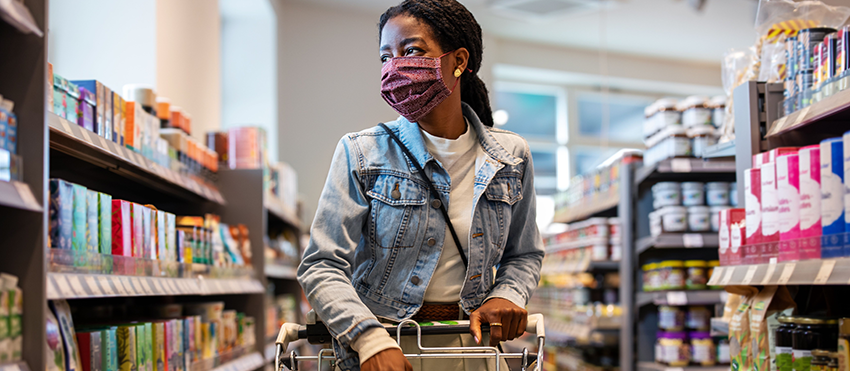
x=55, y=354
x=161, y=227
x=88, y=101
x=752, y=205
x=788, y=191
x=160, y=358
x=810, y=193
x=108, y=111
x=246, y=146
x=732, y=236
x=59, y=95
x=16, y=312
x=832, y=197
x=72, y=101
x=171, y=236
x=109, y=344
x=95, y=87
x=122, y=228
x=92, y=230
x=104, y=220
x=188, y=342
x=846, y=160
x=148, y=346
x=127, y=355
x=69, y=338
x=178, y=347
x=80, y=213
x=117, y=115
x=148, y=237
x=91, y=353
x=61, y=214
x=769, y=203
x=138, y=230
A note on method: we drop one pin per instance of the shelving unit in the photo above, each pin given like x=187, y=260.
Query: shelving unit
x=652, y=366
x=87, y=286
x=248, y=362
x=14, y=366
x=677, y=240
x=598, y=206
x=18, y=195
x=682, y=298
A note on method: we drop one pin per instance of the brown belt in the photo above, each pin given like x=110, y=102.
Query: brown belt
x=439, y=312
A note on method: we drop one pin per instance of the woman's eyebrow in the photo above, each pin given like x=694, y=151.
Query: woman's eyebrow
x=406, y=41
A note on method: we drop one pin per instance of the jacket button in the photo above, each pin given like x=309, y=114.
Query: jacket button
x=435, y=203
x=402, y=312
x=432, y=242
x=415, y=280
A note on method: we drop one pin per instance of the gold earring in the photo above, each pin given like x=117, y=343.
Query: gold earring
x=458, y=72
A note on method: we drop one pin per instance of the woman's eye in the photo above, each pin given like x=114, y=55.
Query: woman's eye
x=412, y=51
x=385, y=58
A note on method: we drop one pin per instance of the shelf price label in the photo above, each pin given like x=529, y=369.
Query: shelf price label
x=824, y=272
x=680, y=165
x=751, y=272
x=677, y=298
x=787, y=271
x=692, y=240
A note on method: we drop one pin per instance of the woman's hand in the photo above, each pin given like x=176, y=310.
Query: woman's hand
x=497, y=310
x=387, y=360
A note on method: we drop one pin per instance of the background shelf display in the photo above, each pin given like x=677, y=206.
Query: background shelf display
x=281, y=271
x=806, y=272
x=674, y=168
x=819, y=120
x=14, y=366
x=78, y=142
x=598, y=205
x=652, y=366
x=677, y=240
x=85, y=286
x=681, y=298
x=18, y=195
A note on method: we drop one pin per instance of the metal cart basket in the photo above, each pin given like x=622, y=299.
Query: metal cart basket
x=316, y=333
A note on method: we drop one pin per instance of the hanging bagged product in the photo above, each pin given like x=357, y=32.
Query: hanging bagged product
x=770, y=302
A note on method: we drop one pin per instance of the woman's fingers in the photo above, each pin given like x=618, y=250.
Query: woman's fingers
x=475, y=326
x=496, y=332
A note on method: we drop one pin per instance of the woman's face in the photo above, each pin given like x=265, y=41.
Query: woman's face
x=406, y=36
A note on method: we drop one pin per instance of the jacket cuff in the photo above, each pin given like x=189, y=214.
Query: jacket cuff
x=507, y=293
x=371, y=342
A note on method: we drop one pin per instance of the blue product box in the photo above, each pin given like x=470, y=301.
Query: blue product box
x=61, y=214
x=95, y=87
x=832, y=197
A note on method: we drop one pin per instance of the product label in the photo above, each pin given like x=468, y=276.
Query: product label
x=809, y=160
x=784, y=359
x=769, y=201
x=736, y=238
x=802, y=360
x=788, y=194
x=752, y=202
x=832, y=202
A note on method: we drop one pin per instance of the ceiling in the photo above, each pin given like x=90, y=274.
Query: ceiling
x=656, y=28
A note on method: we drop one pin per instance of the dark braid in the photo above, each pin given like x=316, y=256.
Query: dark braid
x=454, y=27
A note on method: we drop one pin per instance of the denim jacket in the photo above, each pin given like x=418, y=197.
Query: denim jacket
x=373, y=250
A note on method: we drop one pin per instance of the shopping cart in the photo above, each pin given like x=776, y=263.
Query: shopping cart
x=316, y=333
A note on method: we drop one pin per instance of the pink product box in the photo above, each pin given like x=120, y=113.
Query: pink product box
x=769, y=203
x=810, y=216
x=752, y=205
x=788, y=194
x=732, y=236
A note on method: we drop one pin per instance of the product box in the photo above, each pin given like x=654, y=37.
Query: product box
x=148, y=237
x=49, y=88
x=832, y=197
x=108, y=111
x=160, y=358
x=188, y=342
x=142, y=361
x=161, y=231
x=169, y=346
x=95, y=87
x=91, y=353
x=732, y=236
x=810, y=202
x=769, y=203
x=59, y=94
x=61, y=214
x=72, y=101
x=752, y=204
x=92, y=230
x=177, y=360
x=117, y=113
x=148, y=350
x=66, y=326
x=80, y=213
x=55, y=354
x=88, y=102
x=122, y=228
x=109, y=346
x=127, y=355
x=788, y=191
x=171, y=236
x=104, y=220
x=138, y=230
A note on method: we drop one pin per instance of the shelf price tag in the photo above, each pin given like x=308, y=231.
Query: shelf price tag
x=727, y=276
x=105, y=286
x=769, y=274
x=692, y=240
x=93, y=287
x=677, y=298
x=751, y=272
x=787, y=271
x=680, y=165
x=825, y=271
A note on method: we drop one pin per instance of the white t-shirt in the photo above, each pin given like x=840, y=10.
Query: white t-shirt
x=459, y=157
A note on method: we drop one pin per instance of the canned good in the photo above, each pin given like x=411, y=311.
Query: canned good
x=806, y=41
x=672, y=274
x=697, y=276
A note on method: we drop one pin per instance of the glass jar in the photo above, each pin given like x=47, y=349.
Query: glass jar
x=784, y=343
x=820, y=360
x=699, y=218
x=843, y=352
x=833, y=363
x=723, y=356
x=671, y=318
x=693, y=193
x=696, y=276
x=672, y=274
x=672, y=349
x=651, y=277
x=810, y=334
x=698, y=318
x=703, y=352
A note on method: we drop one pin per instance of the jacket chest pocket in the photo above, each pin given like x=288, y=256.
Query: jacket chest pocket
x=502, y=193
x=397, y=205
x=506, y=189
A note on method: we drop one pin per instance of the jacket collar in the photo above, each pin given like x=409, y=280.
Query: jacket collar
x=412, y=138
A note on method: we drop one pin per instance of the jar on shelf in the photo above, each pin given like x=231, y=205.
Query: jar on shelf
x=784, y=335
x=660, y=114
x=702, y=137
x=651, y=277
x=703, y=352
x=695, y=111
x=820, y=360
x=723, y=356
x=672, y=349
x=696, y=274
x=599, y=252
x=671, y=318
x=672, y=274
x=693, y=193
x=666, y=194
x=811, y=334
x=717, y=193
x=674, y=218
x=698, y=318
x=699, y=218
x=718, y=110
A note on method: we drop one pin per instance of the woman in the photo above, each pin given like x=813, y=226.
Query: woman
x=385, y=240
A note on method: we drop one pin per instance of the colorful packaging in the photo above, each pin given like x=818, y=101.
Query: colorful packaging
x=158, y=342
x=809, y=160
x=90, y=350
x=832, y=197
x=732, y=236
x=69, y=338
x=171, y=236
x=142, y=361
x=109, y=345
x=842, y=51
x=72, y=101
x=122, y=228
x=127, y=355
x=752, y=204
x=138, y=228
x=78, y=238
x=95, y=87
x=147, y=233
x=88, y=101
x=177, y=348
x=769, y=203
x=104, y=220
x=149, y=366
x=188, y=342
x=92, y=230
x=788, y=190
x=55, y=354
x=108, y=110
x=116, y=113
x=162, y=251
x=61, y=214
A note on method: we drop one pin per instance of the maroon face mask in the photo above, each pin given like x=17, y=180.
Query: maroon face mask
x=413, y=86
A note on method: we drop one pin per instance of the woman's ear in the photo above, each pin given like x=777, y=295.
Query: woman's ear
x=461, y=59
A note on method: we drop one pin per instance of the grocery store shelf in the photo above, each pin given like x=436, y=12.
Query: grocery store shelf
x=18, y=195
x=806, y=272
x=823, y=118
x=678, y=166
x=677, y=240
x=719, y=327
x=248, y=362
x=694, y=297
x=281, y=271
x=598, y=205
x=85, y=286
x=282, y=212
x=726, y=149
x=652, y=366
x=81, y=143
x=14, y=366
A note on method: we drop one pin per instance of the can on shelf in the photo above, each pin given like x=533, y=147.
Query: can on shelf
x=806, y=41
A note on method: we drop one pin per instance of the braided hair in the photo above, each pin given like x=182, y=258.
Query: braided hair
x=454, y=27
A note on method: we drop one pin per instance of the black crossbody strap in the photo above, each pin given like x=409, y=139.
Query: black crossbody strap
x=434, y=193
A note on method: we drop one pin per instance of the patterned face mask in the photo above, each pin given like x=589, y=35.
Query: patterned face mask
x=413, y=86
